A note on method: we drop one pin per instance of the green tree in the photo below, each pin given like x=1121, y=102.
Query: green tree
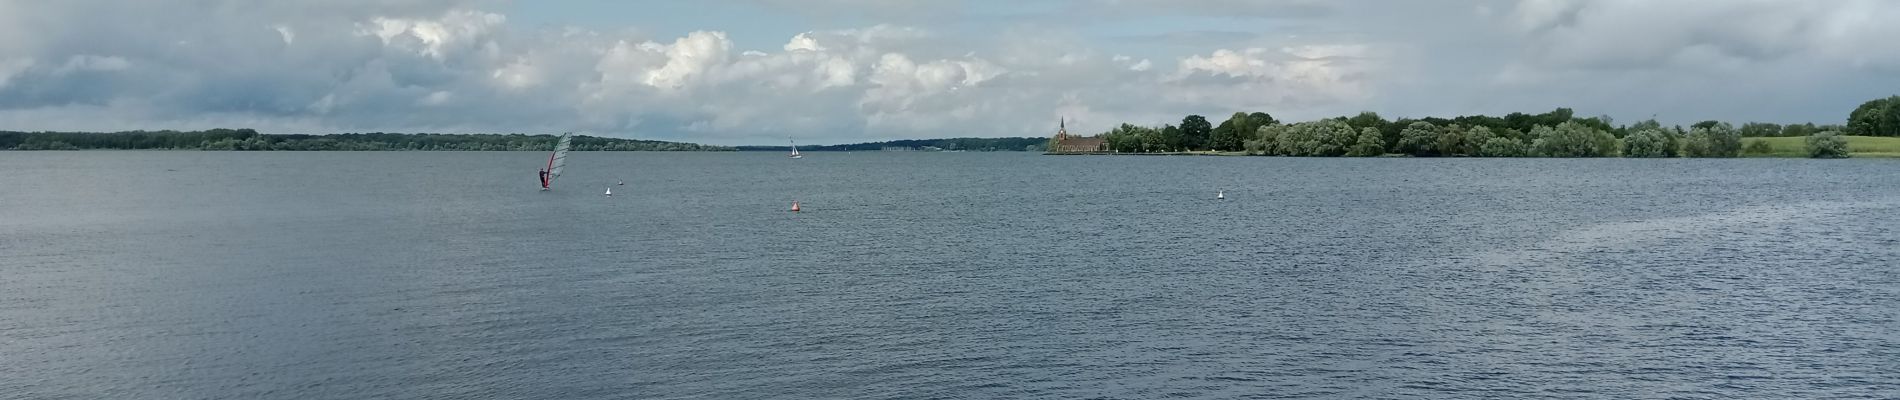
x=1645, y=125
x=1461, y=140
x=1827, y=145
x=1123, y=138
x=1878, y=117
x=1266, y=140
x=1172, y=139
x=1419, y=139
x=1649, y=143
x=1798, y=130
x=1503, y=147
x=1759, y=147
x=1223, y=134
x=1712, y=140
x=1472, y=143
x=1571, y=139
x=1760, y=129
x=1696, y=144
x=1195, y=132
x=1367, y=119
x=1260, y=119
x=1324, y=138
x=1369, y=144
x=1232, y=134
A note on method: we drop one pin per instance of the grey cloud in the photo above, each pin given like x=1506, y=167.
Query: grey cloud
x=459, y=66
x=1262, y=9
x=1630, y=34
x=1193, y=38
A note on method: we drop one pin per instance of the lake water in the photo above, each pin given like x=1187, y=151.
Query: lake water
x=154, y=275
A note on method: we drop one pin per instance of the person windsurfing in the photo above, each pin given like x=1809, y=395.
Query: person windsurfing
x=544, y=179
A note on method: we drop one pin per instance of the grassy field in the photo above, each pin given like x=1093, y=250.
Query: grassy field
x=1858, y=146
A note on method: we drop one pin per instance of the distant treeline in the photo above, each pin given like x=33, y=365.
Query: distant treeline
x=1558, y=133
x=251, y=140
x=955, y=144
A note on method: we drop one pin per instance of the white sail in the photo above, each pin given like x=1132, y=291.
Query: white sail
x=795, y=150
x=558, y=161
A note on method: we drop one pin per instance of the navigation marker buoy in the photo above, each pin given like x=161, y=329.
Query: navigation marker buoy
x=794, y=206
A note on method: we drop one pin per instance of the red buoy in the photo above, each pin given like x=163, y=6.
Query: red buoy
x=794, y=206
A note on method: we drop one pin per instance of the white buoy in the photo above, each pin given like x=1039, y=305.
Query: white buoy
x=1220, y=195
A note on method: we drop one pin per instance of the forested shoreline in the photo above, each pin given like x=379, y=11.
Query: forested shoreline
x=1558, y=133
x=1871, y=129
x=251, y=140
x=951, y=144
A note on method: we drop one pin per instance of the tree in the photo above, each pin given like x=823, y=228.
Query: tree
x=1760, y=129
x=1125, y=138
x=1474, y=139
x=1827, y=145
x=1758, y=147
x=1369, y=144
x=1712, y=140
x=1224, y=134
x=1649, y=143
x=1150, y=139
x=1798, y=130
x=1266, y=140
x=1503, y=147
x=1879, y=117
x=1171, y=139
x=1419, y=139
x=1645, y=124
x=1195, y=132
x=1365, y=120
x=1462, y=141
x=1260, y=119
x=1572, y=139
x=1696, y=144
x=1324, y=138
x=1233, y=134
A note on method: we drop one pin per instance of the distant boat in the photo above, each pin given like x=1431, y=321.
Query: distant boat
x=623, y=183
x=556, y=161
x=795, y=150
x=610, y=192
x=794, y=206
x=1220, y=195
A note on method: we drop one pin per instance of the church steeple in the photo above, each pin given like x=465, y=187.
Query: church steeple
x=1062, y=127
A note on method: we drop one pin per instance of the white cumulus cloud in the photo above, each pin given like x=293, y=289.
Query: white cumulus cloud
x=922, y=68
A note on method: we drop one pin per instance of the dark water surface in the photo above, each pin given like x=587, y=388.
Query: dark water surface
x=154, y=275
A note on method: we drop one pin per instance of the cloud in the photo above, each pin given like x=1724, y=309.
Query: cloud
x=1621, y=34
x=447, y=65
x=1286, y=79
x=1261, y=9
x=881, y=9
x=466, y=65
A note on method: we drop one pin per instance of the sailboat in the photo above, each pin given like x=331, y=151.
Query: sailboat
x=610, y=192
x=795, y=150
x=556, y=161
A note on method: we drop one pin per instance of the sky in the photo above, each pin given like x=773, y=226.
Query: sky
x=839, y=71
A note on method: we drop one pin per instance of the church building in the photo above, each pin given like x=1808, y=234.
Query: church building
x=1064, y=143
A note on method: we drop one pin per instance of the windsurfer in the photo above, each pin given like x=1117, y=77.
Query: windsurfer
x=544, y=179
